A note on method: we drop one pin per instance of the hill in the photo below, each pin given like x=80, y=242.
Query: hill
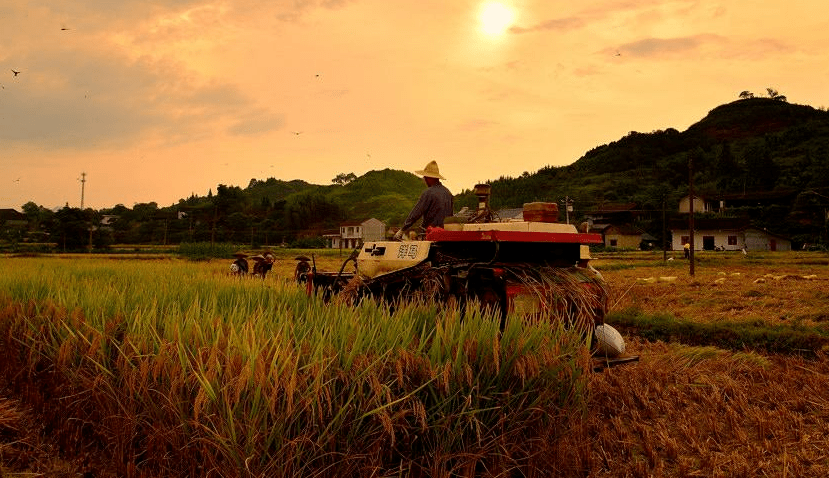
x=746, y=147
x=772, y=154
x=387, y=195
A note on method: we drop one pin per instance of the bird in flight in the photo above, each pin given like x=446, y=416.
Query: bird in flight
x=15, y=72
x=63, y=29
x=617, y=53
x=297, y=132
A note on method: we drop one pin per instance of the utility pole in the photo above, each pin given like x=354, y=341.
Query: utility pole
x=664, y=234
x=83, y=184
x=568, y=206
x=691, y=212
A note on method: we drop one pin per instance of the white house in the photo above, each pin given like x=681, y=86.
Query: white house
x=727, y=234
x=354, y=233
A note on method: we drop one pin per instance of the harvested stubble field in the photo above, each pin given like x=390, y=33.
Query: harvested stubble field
x=682, y=410
x=707, y=411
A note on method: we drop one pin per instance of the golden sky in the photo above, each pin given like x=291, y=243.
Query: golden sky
x=157, y=100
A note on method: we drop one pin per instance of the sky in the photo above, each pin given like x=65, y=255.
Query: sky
x=141, y=101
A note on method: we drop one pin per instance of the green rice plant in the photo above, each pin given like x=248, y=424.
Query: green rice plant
x=176, y=367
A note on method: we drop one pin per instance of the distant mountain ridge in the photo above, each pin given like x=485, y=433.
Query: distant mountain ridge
x=746, y=146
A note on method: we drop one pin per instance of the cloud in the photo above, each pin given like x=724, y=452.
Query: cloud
x=705, y=45
x=70, y=99
x=558, y=24
x=653, y=47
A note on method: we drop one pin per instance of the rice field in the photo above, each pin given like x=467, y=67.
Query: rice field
x=172, y=368
x=175, y=368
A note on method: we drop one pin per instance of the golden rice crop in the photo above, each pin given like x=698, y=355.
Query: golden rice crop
x=174, y=368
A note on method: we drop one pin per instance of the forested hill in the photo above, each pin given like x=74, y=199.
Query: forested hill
x=747, y=146
x=293, y=208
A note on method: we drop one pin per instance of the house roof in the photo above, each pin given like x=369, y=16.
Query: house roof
x=625, y=229
x=598, y=228
x=510, y=213
x=11, y=215
x=358, y=222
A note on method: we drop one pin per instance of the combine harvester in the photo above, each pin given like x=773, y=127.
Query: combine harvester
x=536, y=269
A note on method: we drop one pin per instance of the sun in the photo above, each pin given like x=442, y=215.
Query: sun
x=495, y=18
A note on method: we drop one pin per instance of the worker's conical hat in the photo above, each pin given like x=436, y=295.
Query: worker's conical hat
x=430, y=171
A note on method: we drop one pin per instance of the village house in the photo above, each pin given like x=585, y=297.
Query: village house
x=723, y=233
x=10, y=217
x=624, y=236
x=718, y=203
x=354, y=233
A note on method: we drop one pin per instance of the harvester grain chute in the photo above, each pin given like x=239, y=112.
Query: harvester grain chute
x=536, y=269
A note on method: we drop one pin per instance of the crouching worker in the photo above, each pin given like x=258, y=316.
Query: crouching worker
x=435, y=203
x=240, y=264
x=263, y=264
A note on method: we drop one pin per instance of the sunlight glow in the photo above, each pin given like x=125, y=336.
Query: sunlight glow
x=495, y=18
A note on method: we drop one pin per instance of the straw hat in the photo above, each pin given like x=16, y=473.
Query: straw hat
x=430, y=171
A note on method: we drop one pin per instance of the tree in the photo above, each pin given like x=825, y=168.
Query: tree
x=773, y=94
x=746, y=95
x=762, y=171
x=728, y=173
x=71, y=229
x=229, y=199
x=342, y=179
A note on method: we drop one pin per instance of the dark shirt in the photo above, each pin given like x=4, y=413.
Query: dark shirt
x=242, y=264
x=434, y=205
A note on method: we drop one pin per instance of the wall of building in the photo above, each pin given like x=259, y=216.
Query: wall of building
x=622, y=241
x=751, y=239
x=757, y=240
x=721, y=239
x=699, y=205
x=374, y=230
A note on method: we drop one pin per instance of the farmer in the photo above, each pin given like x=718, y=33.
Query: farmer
x=434, y=205
x=240, y=265
x=263, y=263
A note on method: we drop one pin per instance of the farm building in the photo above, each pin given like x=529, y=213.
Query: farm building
x=624, y=236
x=718, y=203
x=727, y=234
x=10, y=217
x=354, y=233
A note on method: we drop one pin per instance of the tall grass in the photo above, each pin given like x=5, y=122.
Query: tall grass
x=176, y=368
